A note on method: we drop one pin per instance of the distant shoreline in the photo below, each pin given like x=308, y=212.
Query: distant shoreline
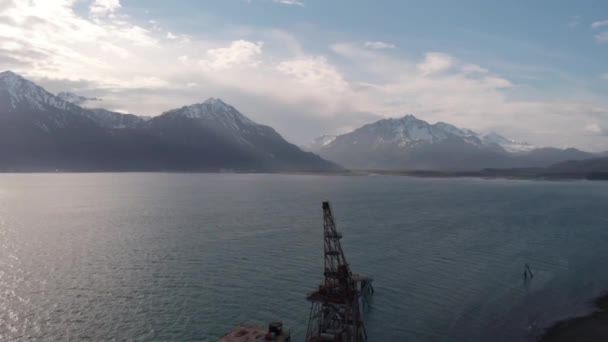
x=516, y=174
x=508, y=174
x=589, y=328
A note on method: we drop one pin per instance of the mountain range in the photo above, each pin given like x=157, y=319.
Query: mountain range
x=409, y=143
x=43, y=132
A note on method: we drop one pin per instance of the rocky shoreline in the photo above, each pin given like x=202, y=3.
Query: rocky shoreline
x=592, y=327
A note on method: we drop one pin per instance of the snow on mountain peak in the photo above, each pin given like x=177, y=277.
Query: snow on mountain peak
x=461, y=132
x=216, y=104
x=496, y=138
x=24, y=93
x=408, y=131
x=13, y=82
x=215, y=110
x=214, y=101
x=410, y=117
x=9, y=76
x=508, y=144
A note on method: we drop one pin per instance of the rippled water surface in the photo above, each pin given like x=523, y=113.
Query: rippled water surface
x=189, y=256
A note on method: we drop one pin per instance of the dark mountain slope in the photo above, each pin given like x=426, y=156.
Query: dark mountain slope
x=42, y=132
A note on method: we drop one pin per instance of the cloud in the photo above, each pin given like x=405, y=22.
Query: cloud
x=238, y=54
x=314, y=72
x=289, y=2
x=595, y=129
x=171, y=36
x=496, y=82
x=473, y=68
x=599, y=23
x=435, y=62
x=378, y=45
x=104, y=7
x=52, y=41
x=115, y=50
x=602, y=37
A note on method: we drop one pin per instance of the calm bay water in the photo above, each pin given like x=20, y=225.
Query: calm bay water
x=176, y=257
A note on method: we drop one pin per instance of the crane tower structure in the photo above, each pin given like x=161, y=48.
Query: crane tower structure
x=336, y=305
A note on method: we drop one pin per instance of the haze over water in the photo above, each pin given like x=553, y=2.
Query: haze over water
x=190, y=256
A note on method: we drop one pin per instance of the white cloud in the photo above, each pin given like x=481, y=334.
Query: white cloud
x=378, y=45
x=435, y=62
x=473, y=68
x=314, y=72
x=599, y=23
x=11, y=46
x=115, y=49
x=593, y=128
x=171, y=36
x=496, y=82
x=289, y=2
x=240, y=53
x=139, y=36
x=602, y=37
x=104, y=7
x=148, y=82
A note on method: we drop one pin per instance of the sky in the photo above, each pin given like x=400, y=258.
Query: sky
x=534, y=71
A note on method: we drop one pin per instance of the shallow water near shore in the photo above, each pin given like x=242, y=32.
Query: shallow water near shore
x=190, y=256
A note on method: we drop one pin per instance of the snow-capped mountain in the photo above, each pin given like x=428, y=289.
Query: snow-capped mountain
x=214, y=111
x=40, y=132
x=57, y=111
x=411, y=143
x=409, y=131
x=406, y=132
x=215, y=125
x=21, y=99
x=508, y=144
x=103, y=117
x=19, y=94
x=110, y=119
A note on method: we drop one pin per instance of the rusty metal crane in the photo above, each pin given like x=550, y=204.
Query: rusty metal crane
x=335, y=313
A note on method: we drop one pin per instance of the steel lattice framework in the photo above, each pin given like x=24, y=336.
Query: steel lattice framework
x=335, y=313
